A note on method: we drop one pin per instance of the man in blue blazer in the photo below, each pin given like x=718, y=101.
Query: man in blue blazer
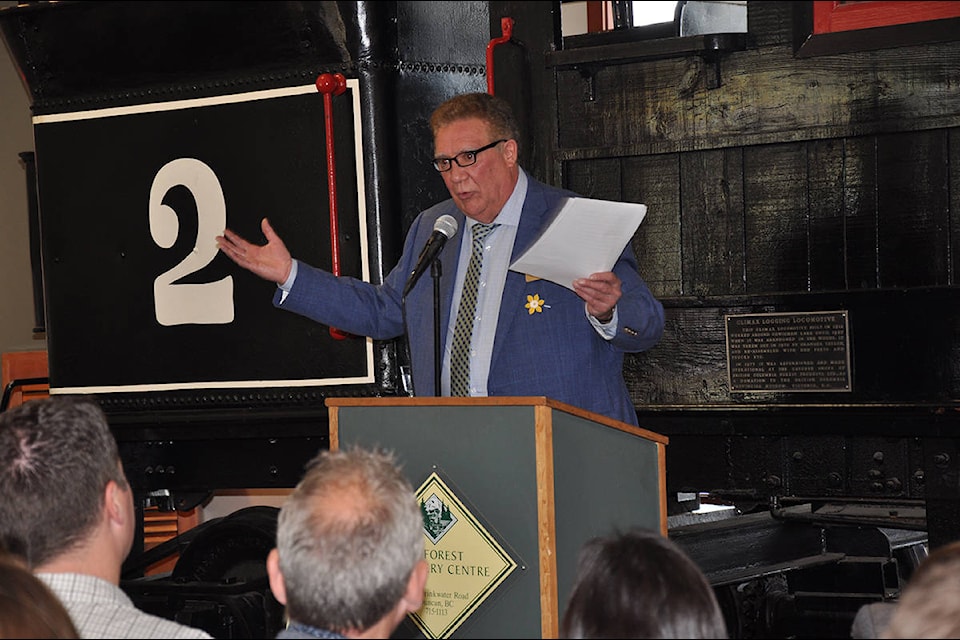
x=530, y=337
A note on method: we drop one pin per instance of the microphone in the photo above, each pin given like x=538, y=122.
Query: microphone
x=443, y=229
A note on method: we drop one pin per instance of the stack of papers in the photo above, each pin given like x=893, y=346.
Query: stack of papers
x=586, y=236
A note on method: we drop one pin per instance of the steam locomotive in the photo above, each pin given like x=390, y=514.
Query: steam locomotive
x=802, y=184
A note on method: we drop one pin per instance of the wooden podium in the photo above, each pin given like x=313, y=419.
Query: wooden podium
x=534, y=477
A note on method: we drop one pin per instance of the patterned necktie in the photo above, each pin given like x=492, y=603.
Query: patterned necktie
x=463, y=330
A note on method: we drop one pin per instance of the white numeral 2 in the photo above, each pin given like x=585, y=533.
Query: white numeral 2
x=203, y=303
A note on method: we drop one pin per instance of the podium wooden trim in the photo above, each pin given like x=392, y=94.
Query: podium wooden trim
x=543, y=427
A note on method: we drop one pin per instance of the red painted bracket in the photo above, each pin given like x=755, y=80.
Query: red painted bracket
x=506, y=27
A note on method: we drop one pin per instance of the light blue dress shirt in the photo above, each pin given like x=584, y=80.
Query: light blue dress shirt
x=493, y=275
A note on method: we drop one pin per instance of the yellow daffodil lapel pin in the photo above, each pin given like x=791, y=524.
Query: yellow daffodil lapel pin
x=535, y=304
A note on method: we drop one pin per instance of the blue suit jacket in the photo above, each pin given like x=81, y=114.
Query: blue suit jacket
x=555, y=353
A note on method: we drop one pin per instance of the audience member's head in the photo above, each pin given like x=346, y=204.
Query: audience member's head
x=28, y=609
x=349, y=556
x=62, y=484
x=640, y=585
x=929, y=606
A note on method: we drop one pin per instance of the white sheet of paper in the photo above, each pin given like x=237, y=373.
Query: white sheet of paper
x=586, y=236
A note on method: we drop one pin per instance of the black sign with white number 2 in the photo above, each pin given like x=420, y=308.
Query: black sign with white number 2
x=138, y=296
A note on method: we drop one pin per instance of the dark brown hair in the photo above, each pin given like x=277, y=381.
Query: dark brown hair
x=57, y=455
x=640, y=585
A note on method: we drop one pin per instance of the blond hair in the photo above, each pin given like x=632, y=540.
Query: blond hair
x=929, y=606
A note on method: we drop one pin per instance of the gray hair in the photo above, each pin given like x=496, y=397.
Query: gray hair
x=349, y=538
x=57, y=455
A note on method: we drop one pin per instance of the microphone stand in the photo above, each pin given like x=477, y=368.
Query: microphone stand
x=406, y=347
x=435, y=273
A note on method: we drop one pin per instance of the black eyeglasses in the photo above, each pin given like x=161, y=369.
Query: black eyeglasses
x=464, y=158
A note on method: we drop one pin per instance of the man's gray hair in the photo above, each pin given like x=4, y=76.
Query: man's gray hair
x=348, y=538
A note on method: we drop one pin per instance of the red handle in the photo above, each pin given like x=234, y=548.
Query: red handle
x=506, y=27
x=330, y=84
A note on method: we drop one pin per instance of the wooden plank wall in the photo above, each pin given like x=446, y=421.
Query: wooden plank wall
x=797, y=184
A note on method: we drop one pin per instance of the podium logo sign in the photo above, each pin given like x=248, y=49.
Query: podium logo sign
x=466, y=562
x=437, y=518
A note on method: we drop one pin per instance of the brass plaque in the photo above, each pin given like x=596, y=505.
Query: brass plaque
x=806, y=351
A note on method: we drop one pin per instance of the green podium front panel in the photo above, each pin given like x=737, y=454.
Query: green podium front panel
x=604, y=479
x=594, y=478
x=489, y=460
